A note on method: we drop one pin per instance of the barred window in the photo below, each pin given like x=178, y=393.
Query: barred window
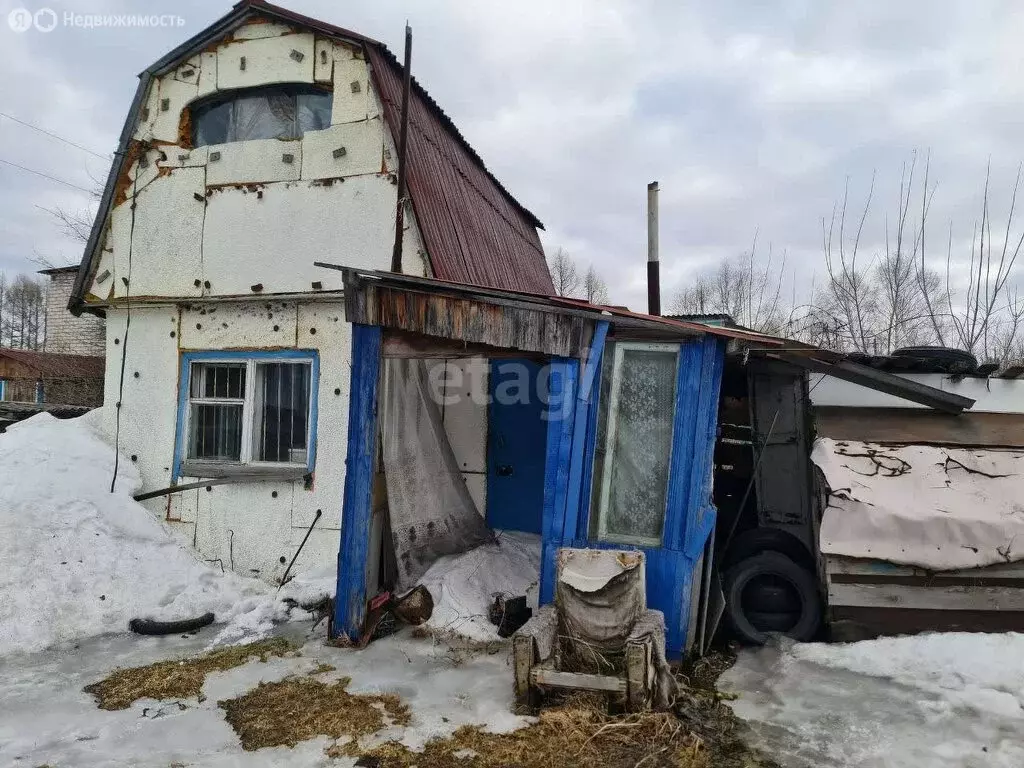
x=249, y=412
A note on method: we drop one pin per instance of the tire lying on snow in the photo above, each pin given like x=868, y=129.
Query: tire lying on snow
x=766, y=573
x=154, y=627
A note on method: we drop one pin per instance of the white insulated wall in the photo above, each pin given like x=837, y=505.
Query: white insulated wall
x=250, y=525
x=213, y=222
x=220, y=219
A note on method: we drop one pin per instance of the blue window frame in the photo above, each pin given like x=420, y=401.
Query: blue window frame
x=246, y=411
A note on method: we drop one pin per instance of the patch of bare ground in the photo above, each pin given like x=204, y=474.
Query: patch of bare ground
x=178, y=678
x=296, y=709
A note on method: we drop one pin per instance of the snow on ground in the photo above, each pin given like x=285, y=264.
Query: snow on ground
x=46, y=718
x=464, y=586
x=953, y=700
x=79, y=561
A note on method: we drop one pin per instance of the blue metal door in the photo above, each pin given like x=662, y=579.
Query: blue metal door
x=517, y=440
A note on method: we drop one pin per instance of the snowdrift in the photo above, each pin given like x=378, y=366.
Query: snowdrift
x=77, y=560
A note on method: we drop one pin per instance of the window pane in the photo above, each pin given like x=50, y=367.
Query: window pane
x=215, y=432
x=314, y=110
x=264, y=115
x=218, y=380
x=637, y=441
x=213, y=124
x=281, y=412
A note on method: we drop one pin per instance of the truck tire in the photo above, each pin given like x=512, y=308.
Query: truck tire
x=960, y=357
x=748, y=619
x=757, y=540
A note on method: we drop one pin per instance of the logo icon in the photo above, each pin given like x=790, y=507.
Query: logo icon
x=45, y=19
x=20, y=19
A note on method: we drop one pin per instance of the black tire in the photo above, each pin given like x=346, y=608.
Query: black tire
x=153, y=627
x=774, y=598
x=758, y=540
x=939, y=355
x=775, y=621
x=779, y=567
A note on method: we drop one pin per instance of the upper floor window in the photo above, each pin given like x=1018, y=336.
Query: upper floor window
x=274, y=112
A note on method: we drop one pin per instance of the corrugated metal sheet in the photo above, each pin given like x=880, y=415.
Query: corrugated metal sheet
x=474, y=230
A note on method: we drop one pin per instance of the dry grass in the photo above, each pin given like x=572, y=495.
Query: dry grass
x=296, y=709
x=178, y=679
x=577, y=733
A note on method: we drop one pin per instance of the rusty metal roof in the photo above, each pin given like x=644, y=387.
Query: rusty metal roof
x=474, y=230
x=53, y=365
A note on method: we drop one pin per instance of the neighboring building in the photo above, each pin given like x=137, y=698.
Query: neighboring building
x=264, y=144
x=69, y=334
x=64, y=385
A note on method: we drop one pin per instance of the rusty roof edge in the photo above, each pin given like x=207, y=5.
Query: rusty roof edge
x=354, y=278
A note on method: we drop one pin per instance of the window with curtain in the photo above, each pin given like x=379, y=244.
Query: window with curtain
x=249, y=412
x=274, y=112
x=634, y=442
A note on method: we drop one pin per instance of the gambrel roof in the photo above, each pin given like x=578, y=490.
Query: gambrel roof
x=473, y=230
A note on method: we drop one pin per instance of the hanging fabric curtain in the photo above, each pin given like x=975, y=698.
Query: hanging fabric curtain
x=431, y=511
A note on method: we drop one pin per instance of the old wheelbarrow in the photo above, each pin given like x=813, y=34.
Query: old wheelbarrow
x=597, y=636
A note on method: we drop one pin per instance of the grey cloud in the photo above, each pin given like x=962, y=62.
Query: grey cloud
x=751, y=115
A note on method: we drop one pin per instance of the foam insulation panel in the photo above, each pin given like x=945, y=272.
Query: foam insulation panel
x=258, y=30
x=189, y=71
x=168, y=230
x=351, y=88
x=207, y=73
x=267, y=60
x=274, y=240
x=322, y=326
x=149, y=401
x=177, y=95
x=360, y=147
x=323, y=67
x=247, y=162
x=149, y=113
x=184, y=158
x=226, y=325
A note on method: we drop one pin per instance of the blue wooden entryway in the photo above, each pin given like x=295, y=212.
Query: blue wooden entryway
x=517, y=437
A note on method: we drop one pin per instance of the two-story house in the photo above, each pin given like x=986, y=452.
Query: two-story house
x=265, y=143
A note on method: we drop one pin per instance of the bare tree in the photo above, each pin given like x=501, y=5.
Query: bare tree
x=564, y=273
x=741, y=288
x=595, y=290
x=21, y=313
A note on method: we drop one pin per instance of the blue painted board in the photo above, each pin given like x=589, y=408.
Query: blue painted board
x=517, y=435
x=350, y=598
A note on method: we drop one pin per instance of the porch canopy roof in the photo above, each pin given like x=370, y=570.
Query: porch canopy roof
x=426, y=317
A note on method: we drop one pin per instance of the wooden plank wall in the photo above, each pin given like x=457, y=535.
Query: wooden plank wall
x=671, y=570
x=901, y=426
x=871, y=597
x=350, y=598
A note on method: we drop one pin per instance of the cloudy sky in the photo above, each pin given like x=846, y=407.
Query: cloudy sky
x=751, y=115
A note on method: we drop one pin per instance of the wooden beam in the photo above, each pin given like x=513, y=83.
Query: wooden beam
x=554, y=679
x=936, y=598
x=898, y=426
x=889, y=383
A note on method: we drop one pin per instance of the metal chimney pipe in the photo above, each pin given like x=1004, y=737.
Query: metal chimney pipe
x=653, y=265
